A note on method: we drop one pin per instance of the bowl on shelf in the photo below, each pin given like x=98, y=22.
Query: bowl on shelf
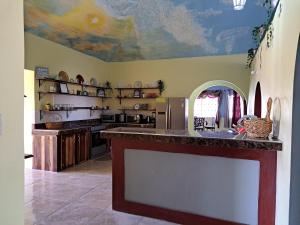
x=138, y=84
x=93, y=82
x=63, y=76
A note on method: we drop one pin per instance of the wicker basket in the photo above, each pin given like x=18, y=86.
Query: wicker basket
x=54, y=125
x=260, y=128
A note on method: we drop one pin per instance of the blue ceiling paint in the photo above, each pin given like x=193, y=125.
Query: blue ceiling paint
x=125, y=30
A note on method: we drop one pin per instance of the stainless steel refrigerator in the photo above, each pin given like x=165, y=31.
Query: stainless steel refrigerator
x=172, y=113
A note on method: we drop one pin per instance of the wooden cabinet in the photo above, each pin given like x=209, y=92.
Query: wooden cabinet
x=58, y=150
x=83, y=144
x=67, y=151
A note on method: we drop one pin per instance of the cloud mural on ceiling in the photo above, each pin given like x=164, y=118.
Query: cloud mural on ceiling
x=125, y=30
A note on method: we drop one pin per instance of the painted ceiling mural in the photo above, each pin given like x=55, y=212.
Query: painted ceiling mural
x=125, y=30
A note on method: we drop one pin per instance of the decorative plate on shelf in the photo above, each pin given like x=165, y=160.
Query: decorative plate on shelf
x=62, y=75
x=93, y=81
x=138, y=84
x=79, y=79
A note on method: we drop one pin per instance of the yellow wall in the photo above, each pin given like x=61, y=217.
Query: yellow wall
x=276, y=75
x=11, y=110
x=182, y=76
x=41, y=52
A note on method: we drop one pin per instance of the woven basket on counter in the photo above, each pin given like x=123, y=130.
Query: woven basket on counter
x=260, y=128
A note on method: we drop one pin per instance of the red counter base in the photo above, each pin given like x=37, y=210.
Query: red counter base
x=267, y=183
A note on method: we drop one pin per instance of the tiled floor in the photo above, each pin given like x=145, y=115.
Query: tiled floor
x=78, y=196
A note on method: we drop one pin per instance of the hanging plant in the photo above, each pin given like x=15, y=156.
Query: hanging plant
x=269, y=6
x=270, y=35
x=266, y=29
x=250, y=57
x=257, y=33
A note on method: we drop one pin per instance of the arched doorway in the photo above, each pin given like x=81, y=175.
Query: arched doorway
x=295, y=156
x=257, y=101
x=203, y=87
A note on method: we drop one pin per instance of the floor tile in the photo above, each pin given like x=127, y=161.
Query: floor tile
x=39, y=209
x=150, y=221
x=81, y=195
x=109, y=217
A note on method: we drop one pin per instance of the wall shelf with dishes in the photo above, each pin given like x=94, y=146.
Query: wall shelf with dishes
x=41, y=93
x=62, y=88
x=67, y=109
x=138, y=110
x=138, y=93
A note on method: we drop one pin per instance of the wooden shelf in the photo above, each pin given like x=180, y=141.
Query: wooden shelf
x=143, y=88
x=68, y=82
x=131, y=98
x=69, y=110
x=136, y=97
x=149, y=110
x=57, y=93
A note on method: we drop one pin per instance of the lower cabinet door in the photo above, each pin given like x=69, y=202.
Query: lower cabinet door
x=83, y=144
x=68, y=148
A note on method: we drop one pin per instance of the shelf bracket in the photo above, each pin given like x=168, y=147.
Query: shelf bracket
x=41, y=115
x=67, y=113
x=40, y=82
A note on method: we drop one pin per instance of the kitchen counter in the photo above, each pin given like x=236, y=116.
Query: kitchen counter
x=69, y=128
x=221, y=139
x=207, y=177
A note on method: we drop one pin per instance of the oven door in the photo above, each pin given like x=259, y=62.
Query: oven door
x=98, y=145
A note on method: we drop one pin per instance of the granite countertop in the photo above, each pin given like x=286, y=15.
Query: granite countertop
x=220, y=139
x=77, y=127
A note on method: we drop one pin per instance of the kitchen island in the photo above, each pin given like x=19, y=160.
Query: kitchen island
x=209, y=178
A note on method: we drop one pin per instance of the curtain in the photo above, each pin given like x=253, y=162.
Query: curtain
x=223, y=111
x=210, y=94
x=236, y=107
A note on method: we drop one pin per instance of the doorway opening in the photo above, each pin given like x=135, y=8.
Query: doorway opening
x=216, y=105
x=257, y=101
x=29, y=114
x=295, y=157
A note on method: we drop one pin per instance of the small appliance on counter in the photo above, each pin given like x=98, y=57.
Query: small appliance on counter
x=121, y=118
x=131, y=118
x=108, y=118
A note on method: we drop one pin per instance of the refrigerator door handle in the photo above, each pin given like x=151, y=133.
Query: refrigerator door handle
x=169, y=117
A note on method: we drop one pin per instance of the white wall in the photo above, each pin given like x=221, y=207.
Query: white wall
x=11, y=110
x=275, y=71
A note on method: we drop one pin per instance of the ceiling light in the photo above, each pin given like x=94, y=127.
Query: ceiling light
x=239, y=4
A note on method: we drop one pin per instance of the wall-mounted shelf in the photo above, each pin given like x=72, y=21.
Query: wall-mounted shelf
x=41, y=80
x=135, y=98
x=121, y=90
x=146, y=110
x=41, y=93
x=67, y=111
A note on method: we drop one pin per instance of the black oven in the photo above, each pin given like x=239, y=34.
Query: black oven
x=99, y=145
